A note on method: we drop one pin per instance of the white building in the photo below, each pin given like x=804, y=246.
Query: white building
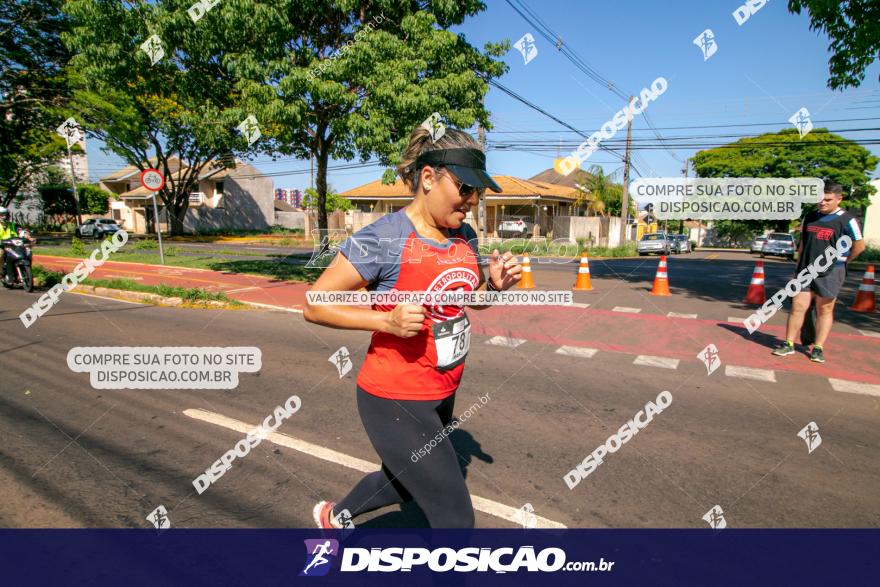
x=871, y=229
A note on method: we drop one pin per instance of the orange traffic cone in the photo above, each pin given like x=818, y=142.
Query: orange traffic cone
x=661, y=280
x=865, y=297
x=526, y=281
x=583, y=278
x=755, y=294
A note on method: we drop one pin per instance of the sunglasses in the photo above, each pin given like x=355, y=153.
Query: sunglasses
x=465, y=190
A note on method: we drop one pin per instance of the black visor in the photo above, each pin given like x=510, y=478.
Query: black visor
x=468, y=165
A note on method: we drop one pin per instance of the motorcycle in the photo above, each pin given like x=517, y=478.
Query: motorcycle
x=18, y=250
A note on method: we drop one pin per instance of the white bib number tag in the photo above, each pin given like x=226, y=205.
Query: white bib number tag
x=452, y=338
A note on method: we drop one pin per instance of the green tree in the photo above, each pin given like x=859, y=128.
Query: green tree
x=854, y=29
x=57, y=200
x=333, y=200
x=32, y=89
x=179, y=114
x=351, y=79
x=786, y=154
x=92, y=199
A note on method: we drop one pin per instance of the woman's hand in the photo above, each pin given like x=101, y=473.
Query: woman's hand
x=504, y=270
x=405, y=320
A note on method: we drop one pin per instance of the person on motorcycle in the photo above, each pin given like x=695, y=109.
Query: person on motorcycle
x=8, y=229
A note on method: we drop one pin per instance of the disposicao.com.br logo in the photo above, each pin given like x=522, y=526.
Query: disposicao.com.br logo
x=441, y=560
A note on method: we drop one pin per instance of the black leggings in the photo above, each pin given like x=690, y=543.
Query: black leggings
x=397, y=430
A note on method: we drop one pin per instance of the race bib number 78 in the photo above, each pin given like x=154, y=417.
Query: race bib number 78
x=452, y=338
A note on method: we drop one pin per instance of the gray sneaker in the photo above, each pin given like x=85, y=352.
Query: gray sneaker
x=784, y=348
x=817, y=356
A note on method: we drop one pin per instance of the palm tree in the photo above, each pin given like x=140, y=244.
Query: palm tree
x=605, y=195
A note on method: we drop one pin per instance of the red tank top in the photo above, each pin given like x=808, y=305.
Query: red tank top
x=407, y=368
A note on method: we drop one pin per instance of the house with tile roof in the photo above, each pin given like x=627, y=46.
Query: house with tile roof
x=238, y=198
x=539, y=202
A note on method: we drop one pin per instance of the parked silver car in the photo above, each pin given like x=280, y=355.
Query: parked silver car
x=680, y=243
x=757, y=244
x=780, y=244
x=656, y=242
x=97, y=228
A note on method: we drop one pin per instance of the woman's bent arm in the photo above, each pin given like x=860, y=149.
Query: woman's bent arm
x=342, y=276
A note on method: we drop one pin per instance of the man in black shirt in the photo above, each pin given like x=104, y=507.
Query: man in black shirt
x=819, y=231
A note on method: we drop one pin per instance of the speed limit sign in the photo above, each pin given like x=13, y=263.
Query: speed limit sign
x=152, y=179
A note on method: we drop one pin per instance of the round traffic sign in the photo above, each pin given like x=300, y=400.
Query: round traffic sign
x=152, y=179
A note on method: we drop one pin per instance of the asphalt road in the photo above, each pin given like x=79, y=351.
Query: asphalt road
x=71, y=455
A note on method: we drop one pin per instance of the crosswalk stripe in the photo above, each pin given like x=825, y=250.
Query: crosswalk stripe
x=505, y=341
x=626, y=310
x=662, y=362
x=678, y=315
x=854, y=387
x=750, y=373
x=576, y=351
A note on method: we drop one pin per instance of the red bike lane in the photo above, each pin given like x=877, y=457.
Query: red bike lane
x=851, y=357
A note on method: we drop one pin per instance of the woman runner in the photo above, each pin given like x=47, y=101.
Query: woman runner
x=406, y=386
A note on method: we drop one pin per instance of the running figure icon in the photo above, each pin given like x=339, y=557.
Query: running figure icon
x=319, y=551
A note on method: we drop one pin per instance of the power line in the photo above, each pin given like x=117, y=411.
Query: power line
x=545, y=31
x=815, y=122
x=537, y=108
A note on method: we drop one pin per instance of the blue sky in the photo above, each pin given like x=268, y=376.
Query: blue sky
x=763, y=72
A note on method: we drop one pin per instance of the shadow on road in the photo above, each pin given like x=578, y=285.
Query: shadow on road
x=410, y=515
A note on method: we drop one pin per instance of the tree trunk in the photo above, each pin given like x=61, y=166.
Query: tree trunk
x=321, y=186
x=176, y=207
x=177, y=213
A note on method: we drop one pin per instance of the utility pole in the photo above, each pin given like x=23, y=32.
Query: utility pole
x=681, y=222
x=481, y=208
x=73, y=184
x=624, y=211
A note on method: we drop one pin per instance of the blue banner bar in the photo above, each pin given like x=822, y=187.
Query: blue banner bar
x=483, y=557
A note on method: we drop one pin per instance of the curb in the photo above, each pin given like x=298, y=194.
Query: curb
x=156, y=299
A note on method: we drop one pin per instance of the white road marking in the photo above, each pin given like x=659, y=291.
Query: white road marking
x=854, y=387
x=271, y=307
x=626, y=310
x=577, y=351
x=91, y=295
x=869, y=333
x=480, y=503
x=736, y=319
x=578, y=305
x=677, y=315
x=229, y=291
x=750, y=373
x=505, y=341
x=662, y=362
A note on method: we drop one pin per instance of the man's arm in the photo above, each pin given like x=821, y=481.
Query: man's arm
x=857, y=248
x=855, y=233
